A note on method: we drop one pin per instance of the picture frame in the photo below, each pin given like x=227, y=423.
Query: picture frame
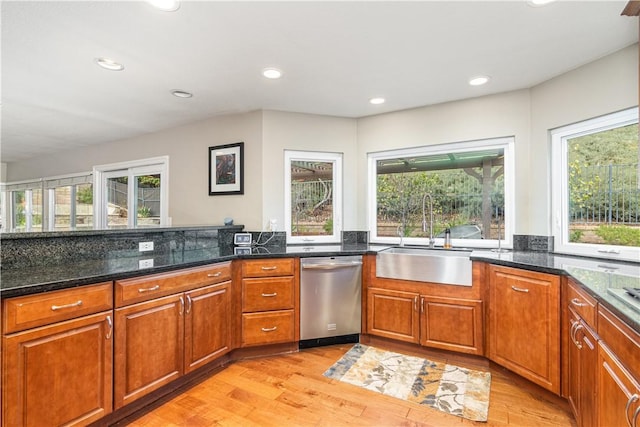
x=226, y=169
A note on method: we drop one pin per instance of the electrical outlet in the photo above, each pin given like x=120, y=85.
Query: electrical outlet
x=145, y=246
x=145, y=263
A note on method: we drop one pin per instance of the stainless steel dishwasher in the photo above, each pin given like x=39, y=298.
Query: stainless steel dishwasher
x=330, y=300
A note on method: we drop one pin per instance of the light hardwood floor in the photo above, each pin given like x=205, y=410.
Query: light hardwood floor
x=290, y=390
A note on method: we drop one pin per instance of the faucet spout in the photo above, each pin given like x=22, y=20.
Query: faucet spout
x=432, y=241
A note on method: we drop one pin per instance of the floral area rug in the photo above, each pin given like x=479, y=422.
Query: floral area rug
x=447, y=388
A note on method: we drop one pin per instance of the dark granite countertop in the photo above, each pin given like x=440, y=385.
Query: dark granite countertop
x=601, y=278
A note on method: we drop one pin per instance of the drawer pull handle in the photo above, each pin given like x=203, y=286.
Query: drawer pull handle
x=269, y=329
x=270, y=295
x=61, y=307
x=218, y=274
x=181, y=306
x=632, y=399
x=110, y=331
x=635, y=416
x=515, y=288
x=577, y=302
x=153, y=288
x=269, y=268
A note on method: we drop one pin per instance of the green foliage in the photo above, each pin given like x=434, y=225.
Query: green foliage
x=575, y=235
x=85, y=195
x=328, y=226
x=619, y=235
x=144, y=212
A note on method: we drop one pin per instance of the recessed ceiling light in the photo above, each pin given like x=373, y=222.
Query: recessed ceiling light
x=377, y=101
x=272, y=73
x=165, y=5
x=181, y=93
x=478, y=80
x=538, y=3
x=109, y=64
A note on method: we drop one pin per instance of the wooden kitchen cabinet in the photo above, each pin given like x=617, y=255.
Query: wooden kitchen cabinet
x=618, y=393
x=393, y=314
x=207, y=325
x=583, y=365
x=581, y=353
x=524, y=324
x=270, y=301
x=149, y=347
x=163, y=337
x=451, y=324
x=59, y=373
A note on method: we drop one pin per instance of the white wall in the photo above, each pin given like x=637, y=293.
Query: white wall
x=601, y=87
x=492, y=116
x=187, y=148
x=305, y=132
x=604, y=86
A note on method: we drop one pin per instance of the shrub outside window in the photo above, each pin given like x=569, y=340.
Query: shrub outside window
x=467, y=186
x=596, y=187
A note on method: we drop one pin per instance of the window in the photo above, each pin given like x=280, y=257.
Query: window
x=596, y=187
x=466, y=187
x=24, y=207
x=313, y=197
x=70, y=202
x=132, y=194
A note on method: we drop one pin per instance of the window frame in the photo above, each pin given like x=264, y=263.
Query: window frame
x=560, y=186
x=50, y=184
x=315, y=156
x=505, y=143
x=131, y=169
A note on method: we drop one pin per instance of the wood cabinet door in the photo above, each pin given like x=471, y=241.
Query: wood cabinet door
x=207, y=325
x=149, y=347
x=618, y=392
x=524, y=324
x=451, y=324
x=393, y=314
x=583, y=368
x=59, y=374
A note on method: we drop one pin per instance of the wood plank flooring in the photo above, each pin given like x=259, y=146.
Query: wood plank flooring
x=290, y=390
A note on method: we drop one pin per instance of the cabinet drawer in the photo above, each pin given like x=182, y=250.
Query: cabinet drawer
x=30, y=311
x=582, y=303
x=270, y=293
x=144, y=288
x=267, y=328
x=267, y=267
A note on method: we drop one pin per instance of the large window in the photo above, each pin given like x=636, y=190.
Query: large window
x=70, y=202
x=416, y=194
x=596, y=187
x=132, y=194
x=24, y=206
x=313, y=196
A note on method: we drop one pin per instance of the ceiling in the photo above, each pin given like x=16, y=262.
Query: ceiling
x=335, y=56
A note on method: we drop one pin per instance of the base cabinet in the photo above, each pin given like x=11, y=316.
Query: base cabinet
x=393, y=314
x=149, y=347
x=59, y=374
x=618, y=392
x=451, y=324
x=524, y=324
x=160, y=339
x=582, y=364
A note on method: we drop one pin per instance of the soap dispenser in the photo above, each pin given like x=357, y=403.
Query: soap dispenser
x=447, y=239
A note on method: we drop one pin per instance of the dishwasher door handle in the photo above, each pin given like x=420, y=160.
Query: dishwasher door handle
x=332, y=266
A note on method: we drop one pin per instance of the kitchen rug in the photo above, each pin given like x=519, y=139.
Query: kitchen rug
x=447, y=388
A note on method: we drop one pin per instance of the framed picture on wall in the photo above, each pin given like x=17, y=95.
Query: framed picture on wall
x=226, y=169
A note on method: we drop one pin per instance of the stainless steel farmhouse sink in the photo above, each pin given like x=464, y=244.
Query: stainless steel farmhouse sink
x=451, y=267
